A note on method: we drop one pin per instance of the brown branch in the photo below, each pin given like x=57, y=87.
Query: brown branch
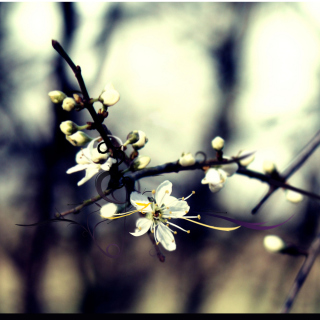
x=86, y=99
x=302, y=157
x=302, y=274
x=84, y=204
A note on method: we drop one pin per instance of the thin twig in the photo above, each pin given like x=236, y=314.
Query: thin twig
x=86, y=99
x=302, y=157
x=84, y=204
x=302, y=274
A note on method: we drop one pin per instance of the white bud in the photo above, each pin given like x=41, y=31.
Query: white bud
x=68, y=104
x=273, y=243
x=268, y=166
x=79, y=139
x=57, y=96
x=140, y=163
x=68, y=127
x=293, y=196
x=108, y=210
x=109, y=95
x=217, y=143
x=246, y=161
x=187, y=159
x=142, y=140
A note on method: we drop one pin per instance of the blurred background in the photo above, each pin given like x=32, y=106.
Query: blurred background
x=186, y=72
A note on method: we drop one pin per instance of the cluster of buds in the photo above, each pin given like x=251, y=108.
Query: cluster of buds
x=68, y=103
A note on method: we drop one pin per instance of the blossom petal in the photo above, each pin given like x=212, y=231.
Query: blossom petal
x=143, y=225
x=78, y=167
x=90, y=172
x=212, y=177
x=230, y=168
x=165, y=237
x=163, y=191
x=178, y=208
x=81, y=159
x=215, y=188
x=140, y=201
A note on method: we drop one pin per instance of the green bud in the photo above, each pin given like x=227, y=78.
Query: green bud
x=140, y=163
x=79, y=139
x=57, y=96
x=68, y=127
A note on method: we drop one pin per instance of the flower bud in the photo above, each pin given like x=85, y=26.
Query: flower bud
x=274, y=243
x=293, y=196
x=187, y=159
x=68, y=104
x=109, y=95
x=246, y=161
x=79, y=139
x=68, y=127
x=268, y=166
x=57, y=96
x=217, y=143
x=140, y=163
x=108, y=210
x=137, y=138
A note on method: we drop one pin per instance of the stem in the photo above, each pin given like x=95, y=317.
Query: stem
x=302, y=274
x=86, y=99
x=293, y=167
x=85, y=203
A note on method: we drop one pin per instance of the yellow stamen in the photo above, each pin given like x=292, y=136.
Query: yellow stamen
x=140, y=228
x=182, y=198
x=170, y=212
x=167, y=191
x=186, y=211
x=130, y=212
x=153, y=191
x=212, y=227
x=167, y=208
x=169, y=218
x=199, y=217
x=152, y=231
x=167, y=224
x=175, y=232
x=193, y=192
x=188, y=231
x=173, y=240
x=157, y=243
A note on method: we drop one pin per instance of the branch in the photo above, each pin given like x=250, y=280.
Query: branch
x=302, y=274
x=302, y=157
x=86, y=99
x=84, y=204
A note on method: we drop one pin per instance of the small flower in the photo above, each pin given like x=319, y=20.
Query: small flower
x=217, y=176
x=274, y=243
x=187, y=159
x=68, y=127
x=268, y=167
x=246, y=161
x=85, y=159
x=68, y=104
x=140, y=163
x=217, y=143
x=293, y=196
x=79, y=139
x=57, y=96
x=108, y=210
x=109, y=96
x=158, y=211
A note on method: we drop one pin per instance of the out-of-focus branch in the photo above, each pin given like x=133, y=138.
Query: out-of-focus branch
x=302, y=274
x=292, y=168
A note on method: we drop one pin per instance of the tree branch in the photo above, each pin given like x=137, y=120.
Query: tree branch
x=302, y=274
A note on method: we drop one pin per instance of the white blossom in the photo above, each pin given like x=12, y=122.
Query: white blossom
x=217, y=143
x=87, y=160
x=217, y=176
x=57, y=96
x=108, y=210
x=68, y=104
x=273, y=243
x=187, y=160
x=158, y=211
x=109, y=96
